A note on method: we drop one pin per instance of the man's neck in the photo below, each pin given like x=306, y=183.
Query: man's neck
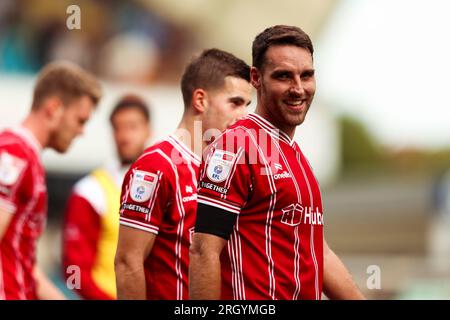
x=189, y=132
x=290, y=131
x=35, y=125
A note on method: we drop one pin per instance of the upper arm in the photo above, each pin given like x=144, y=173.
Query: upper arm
x=134, y=243
x=205, y=243
x=225, y=178
x=224, y=185
x=13, y=168
x=326, y=248
x=5, y=217
x=147, y=191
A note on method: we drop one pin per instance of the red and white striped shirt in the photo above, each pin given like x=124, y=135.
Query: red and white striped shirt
x=159, y=195
x=23, y=194
x=275, y=251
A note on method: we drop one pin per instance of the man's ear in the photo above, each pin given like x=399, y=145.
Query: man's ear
x=199, y=100
x=255, y=78
x=53, y=108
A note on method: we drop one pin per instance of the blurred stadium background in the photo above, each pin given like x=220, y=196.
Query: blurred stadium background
x=378, y=134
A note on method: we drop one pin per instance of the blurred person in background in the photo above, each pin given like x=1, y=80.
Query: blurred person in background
x=159, y=192
x=64, y=98
x=268, y=212
x=91, y=226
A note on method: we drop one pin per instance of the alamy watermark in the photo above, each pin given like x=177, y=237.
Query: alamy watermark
x=73, y=281
x=374, y=280
x=73, y=21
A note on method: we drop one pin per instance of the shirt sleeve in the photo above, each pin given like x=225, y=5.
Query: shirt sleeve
x=13, y=169
x=147, y=191
x=225, y=176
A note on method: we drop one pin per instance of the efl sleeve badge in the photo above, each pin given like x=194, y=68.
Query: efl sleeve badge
x=143, y=185
x=219, y=166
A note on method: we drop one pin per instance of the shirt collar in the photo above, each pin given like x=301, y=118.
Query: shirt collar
x=268, y=126
x=184, y=149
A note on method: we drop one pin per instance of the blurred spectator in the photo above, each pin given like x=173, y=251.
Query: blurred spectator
x=92, y=217
x=15, y=40
x=129, y=57
x=122, y=41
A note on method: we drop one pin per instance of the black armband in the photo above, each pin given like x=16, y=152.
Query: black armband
x=214, y=221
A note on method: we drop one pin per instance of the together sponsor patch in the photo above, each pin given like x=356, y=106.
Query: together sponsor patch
x=135, y=207
x=213, y=187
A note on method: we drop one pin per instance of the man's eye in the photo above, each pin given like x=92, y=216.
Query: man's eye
x=285, y=76
x=307, y=75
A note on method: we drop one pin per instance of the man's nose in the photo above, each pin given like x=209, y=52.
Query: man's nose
x=297, y=87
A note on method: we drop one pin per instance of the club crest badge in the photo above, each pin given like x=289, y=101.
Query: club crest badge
x=219, y=166
x=143, y=185
x=292, y=215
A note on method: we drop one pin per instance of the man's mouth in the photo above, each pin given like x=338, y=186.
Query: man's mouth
x=296, y=104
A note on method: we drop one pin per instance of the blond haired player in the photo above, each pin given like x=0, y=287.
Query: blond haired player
x=64, y=97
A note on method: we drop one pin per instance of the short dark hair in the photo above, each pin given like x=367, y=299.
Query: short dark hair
x=66, y=80
x=208, y=71
x=131, y=101
x=278, y=35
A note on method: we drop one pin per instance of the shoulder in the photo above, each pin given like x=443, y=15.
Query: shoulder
x=90, y=189
x=152, y=171
x=13, y=145
x=159, y=158
x=238, y=139
x=14, y=158
x=243, y=127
